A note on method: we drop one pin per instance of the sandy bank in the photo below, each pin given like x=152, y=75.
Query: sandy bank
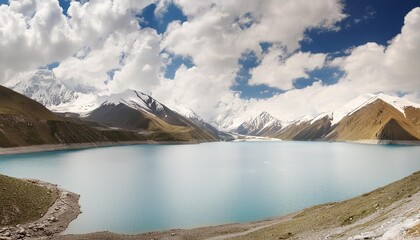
x=64, y=210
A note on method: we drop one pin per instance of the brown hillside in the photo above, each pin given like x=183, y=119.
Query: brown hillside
x=392, y=130
x=124, y=117
x=13, y=103
x=413, y=114
x=306, y=130
x=374, y=122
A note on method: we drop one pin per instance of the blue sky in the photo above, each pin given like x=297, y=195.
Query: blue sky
x=368, y=21
x=332, y=65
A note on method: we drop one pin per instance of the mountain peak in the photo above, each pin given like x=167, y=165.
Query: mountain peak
x=43, y=86
x=261, y=125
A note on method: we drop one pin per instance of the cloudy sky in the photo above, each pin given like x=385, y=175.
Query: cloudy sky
x=220, y=57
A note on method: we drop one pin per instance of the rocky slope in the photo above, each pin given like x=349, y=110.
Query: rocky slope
x=32, y=209
x=137, y=111
x=378, y=118
x=25, y=122
x=261, y=125
x=306, y=130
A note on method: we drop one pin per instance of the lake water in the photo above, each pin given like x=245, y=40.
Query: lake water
x=132, y=189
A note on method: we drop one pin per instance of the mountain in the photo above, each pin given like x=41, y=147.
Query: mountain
x=135, y=110
x=380, y=118
x=261, y=125
x=25, y=122
x=302, y=130
x=372, y=117
x=43, y=87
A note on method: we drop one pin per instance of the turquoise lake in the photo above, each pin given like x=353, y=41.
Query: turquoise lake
x=133, y=189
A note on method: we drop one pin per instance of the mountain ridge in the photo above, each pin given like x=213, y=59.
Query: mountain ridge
x=262, y=125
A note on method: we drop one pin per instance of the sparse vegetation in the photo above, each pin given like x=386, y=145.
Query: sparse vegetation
x=342, y=213
x=22, y=201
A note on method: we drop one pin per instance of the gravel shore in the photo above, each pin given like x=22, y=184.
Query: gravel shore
x=64, y=210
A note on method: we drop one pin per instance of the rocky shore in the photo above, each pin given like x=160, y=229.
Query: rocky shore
x=64, y=210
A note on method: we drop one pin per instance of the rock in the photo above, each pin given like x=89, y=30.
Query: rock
x=21, y=231
x=40, y=226
x=173, y=234
x=5, y=238
x=7, y=234
x=57, y=208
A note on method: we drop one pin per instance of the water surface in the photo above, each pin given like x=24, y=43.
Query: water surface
x=134, y=189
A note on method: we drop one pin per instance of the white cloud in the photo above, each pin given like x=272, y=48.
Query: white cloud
x=369, y=68
x=218, y=32
x=102, y=36
x=281, y=73
x=34, y=33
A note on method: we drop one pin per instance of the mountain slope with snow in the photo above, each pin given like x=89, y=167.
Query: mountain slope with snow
x=370, y=117
x=261, y=125
x=135, y=110
x=43, y=87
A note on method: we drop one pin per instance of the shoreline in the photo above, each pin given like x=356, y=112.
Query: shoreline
x=390, y=212
x=81, y=146
x=64, y=210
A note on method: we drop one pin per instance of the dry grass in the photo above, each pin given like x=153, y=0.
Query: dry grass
x=22, y=201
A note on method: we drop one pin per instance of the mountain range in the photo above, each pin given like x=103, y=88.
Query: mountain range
x=25, y=122
x=375, y=117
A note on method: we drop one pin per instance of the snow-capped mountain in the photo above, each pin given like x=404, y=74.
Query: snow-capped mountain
x=141, y=102
x=351, y=107
x=135, y=110
x=199, y=122
x=261, y=125
x=42, y=85
x=370, y=117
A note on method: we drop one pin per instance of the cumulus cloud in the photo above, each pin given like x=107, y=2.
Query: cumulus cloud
x=34, y=33
x=392, y=68
x=101, y=47
x=368, y=68
x=218, y=32
x=281, y=73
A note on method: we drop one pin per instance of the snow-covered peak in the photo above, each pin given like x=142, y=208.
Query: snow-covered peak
x=398, y=103
x=264, y=119
x=136, y=100
x=186, y=112
x=42, y=86
x=260, y=124
x=338, y=114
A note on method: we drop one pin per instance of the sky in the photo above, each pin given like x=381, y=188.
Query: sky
x=224, y=59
